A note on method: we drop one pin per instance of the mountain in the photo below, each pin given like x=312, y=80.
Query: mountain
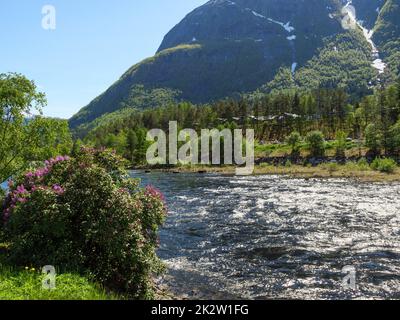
x=387, y=35
x=227, y=48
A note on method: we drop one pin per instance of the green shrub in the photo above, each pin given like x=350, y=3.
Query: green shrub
x=294, y=140
x=352, y=166
x=386, y=165
x=373, y=138
x=84, y=214
x=316, y=143
x=264, y=165
x=332, y=167
x=288, y=163
x=363, y=164
x=341, y=144
x=394, y=138
x=2, y=195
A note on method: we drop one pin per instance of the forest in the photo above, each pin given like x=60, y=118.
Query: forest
x=285, y=117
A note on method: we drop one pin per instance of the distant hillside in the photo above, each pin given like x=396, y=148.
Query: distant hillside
x=226, y=48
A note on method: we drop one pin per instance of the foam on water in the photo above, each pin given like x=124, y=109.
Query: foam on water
x=274, y=237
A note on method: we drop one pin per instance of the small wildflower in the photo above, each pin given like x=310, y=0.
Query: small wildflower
x=21, y=189
x=153, y=192
x=29, y=175
x=58, y=189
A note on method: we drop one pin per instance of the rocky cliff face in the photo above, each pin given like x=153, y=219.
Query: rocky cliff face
x=225, y=47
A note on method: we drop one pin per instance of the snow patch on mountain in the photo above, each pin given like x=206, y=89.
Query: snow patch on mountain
x=350, y=11
x=285, y=26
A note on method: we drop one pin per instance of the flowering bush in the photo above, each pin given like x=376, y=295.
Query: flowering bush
x=86, y=214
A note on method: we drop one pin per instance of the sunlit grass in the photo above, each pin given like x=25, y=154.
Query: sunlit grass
x=26, y=284
x=283, y=149
x=359, y=171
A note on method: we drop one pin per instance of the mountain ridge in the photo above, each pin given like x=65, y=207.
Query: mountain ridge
x=227, y=48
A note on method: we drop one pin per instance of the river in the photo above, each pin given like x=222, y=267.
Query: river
x=270, y=237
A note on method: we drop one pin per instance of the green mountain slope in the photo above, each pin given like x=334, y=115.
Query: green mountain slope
x=387, y=36
x=226, y=48
x=344, y=61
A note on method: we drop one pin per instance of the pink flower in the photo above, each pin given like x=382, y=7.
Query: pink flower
x=42, y=172
x=21, y=189
x=55, y=160
x=58, y=189
x=29, y=175
x=153, y=192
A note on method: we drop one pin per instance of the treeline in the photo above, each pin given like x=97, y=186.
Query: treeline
x=374, y=119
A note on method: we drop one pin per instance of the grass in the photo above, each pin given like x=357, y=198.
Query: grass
x=358, y=171
x=350, y=170
x=182, y=47
x=26, y=284
x=282, y=149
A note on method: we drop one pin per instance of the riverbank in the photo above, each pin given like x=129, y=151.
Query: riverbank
x=323, y=171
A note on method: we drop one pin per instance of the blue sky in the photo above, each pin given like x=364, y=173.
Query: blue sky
x=94, y=43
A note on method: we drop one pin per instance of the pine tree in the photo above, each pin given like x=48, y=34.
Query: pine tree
x=132, y=142
x=398, y=91
x=384, y=117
